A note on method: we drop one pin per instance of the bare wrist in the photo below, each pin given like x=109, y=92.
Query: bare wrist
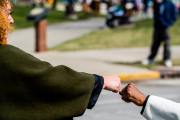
x=143, y=98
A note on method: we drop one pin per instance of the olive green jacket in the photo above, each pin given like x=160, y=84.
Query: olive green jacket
x=31, y=89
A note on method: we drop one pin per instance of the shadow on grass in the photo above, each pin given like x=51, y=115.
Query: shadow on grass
x=156, y=65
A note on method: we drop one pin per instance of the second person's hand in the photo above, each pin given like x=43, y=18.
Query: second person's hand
x=132, y=94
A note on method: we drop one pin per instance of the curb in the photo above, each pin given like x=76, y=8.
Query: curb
x=151, y=75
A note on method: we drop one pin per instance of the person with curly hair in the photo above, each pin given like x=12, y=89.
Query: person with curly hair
x=4, y=22
x=32, y=89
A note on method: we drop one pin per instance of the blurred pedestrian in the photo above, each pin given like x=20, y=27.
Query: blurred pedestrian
x=153, y=107
x=70, y=10
x=148, y=8
x=32, y=89
x=95, y=6
x=115, y=14
x=129, y=7
x=165, y=14
x=86, y=6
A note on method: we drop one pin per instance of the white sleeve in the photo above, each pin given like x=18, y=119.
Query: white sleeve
x=158, y=108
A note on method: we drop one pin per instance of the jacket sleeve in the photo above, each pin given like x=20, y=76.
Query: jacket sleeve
x=168, y=14
x=57, y=90
x=157, y=108
x=62, y=84
x=98, y=86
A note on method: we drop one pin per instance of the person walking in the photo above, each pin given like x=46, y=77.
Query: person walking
x=165, y=14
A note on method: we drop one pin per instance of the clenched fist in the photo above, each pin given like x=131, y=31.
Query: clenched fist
x=112, y=83
x=131, y=94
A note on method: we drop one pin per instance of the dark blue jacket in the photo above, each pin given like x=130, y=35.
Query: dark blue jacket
x=165, y=14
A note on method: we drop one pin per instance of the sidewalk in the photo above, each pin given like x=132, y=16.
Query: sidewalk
x=56, y=33
x=101, y=61
x=91, y=61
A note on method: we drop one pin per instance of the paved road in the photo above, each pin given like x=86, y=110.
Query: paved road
x=101, y=61
x=110, y=107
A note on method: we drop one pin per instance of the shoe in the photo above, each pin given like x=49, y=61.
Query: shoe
x=147, y=62
x=168, y=63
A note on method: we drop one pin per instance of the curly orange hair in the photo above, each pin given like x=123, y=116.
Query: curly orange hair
x=4, y=23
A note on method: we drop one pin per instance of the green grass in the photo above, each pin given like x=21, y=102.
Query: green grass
x=138, y=35
x=20, y=14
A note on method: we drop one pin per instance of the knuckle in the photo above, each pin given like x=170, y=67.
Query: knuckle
x=131, y=85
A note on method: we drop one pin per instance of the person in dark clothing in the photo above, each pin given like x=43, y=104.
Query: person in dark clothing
x=147, y=4
x=69, y=11
x=129, y=7
x=32, y=89
x=95, y=6
x=165, y=14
